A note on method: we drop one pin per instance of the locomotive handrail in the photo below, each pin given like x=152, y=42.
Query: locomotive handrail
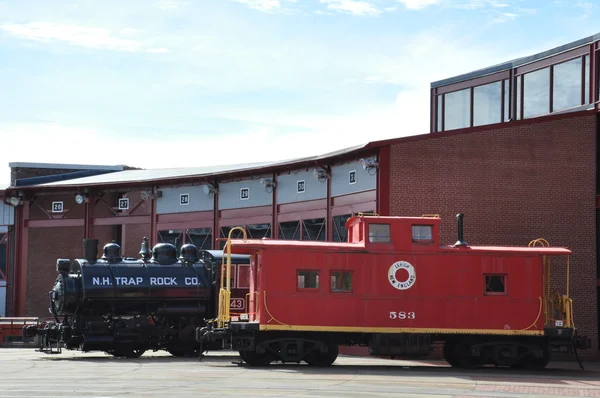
x=225, y=293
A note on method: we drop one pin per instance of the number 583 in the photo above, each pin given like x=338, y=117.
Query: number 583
x=402, y=315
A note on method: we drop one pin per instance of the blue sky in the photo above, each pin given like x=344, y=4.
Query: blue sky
x=174, y=83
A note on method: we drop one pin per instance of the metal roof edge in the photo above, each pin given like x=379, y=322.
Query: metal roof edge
x=21, y=182
x=65, y=166
x=516, y=62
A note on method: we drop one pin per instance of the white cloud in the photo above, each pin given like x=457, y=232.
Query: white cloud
x=418, y=4
x=171, y=4
x=78, y=36
x=261, y=5
x=354, y=7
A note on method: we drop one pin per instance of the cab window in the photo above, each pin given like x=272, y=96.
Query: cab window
x=341, y=281
x=495, y=285
x=422, y=233
x=308, y=279
x=379, y=233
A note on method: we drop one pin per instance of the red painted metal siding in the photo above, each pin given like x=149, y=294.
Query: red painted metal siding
x=448, y=291
x=514, y=184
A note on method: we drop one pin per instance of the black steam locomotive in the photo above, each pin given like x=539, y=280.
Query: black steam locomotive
x=125, y=306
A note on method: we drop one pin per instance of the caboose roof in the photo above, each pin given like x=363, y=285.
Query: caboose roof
x=240, y=246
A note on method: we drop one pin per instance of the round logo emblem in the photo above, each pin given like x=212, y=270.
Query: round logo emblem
x=404, y=284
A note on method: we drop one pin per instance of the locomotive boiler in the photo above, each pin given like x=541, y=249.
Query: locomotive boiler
x=125, y=306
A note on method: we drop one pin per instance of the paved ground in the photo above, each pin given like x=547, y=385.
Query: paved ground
x=27, y=373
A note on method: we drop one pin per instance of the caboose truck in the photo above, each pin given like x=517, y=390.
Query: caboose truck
x=394, y=289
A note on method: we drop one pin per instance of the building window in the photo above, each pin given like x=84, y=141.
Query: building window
x=422, y=233
x=586, y=80
x=536, y=93
x=518, y=87
x=314, y=229
x=289, y=230
x=506, y=99
x=495, y=285
x=340, y=233
x=567, y=84
x=341, y=281
x=379, y=233
x=457, y=112
x=439, y=112
x=3, y=256
x=200, y=237
x=258, y=231
x=487, y=104
x=308, y=279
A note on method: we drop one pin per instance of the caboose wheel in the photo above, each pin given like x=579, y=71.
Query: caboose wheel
x=532, y=363
x=322, y=360
x=450, y=354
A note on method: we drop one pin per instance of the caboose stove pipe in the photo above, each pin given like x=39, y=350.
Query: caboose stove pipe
x=460, y=241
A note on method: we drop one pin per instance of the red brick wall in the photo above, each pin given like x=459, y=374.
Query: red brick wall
x=513, y=184
x=45, y=246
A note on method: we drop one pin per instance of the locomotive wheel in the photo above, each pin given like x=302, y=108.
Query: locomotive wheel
x=127, y=352
x=254, y=359
x=323, y=360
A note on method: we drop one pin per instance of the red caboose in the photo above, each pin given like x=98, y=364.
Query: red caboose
x=394, y=288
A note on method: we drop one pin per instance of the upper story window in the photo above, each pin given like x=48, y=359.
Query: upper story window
x=379, y=233
x=557, y=83
x=422, y=233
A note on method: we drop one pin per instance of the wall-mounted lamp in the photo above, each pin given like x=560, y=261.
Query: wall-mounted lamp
x=268, y=184
x=210, y=190
x=15, y=201
x=368, y=165
x=145, y=195
x=80, y=199
x=320, y=174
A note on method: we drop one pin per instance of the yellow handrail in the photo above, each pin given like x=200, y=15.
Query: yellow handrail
x=225, y=293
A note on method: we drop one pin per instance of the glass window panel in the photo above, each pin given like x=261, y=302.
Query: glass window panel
x=586, y=81
x=518, y=88
x=341, y=281
x=506, y=100
x=243, y=276
x=258, y=231
x=340, y=233
x=458, y=109
x=314, y=229
x=308, y=279
x=289, y=230
x=379, y=233
x=173, y=236
x=2, y=257
x=536, y=93
x=487, y=104
x=439, y=112
x=495, y=284
x=422, y=232
x=200, y=237
x=567, y=85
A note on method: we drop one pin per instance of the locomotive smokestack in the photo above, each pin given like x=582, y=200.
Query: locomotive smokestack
x=145, y=250
x=90, y=250
x=460, y=241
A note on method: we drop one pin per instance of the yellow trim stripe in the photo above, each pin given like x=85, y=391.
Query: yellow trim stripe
x=349, y=329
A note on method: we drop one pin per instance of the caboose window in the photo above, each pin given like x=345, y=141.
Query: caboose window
x=341, y=281
x=308, y=279
x=495, y=285
x=422, y=233
x=379, y=233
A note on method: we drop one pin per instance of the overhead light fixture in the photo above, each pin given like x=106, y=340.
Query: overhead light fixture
x=267, y=184
x=368, y=164
x=15, y=201
x=80, y=199
x=209, y=190
x=320, y=174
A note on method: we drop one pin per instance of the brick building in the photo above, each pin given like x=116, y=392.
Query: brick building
x=513, y=147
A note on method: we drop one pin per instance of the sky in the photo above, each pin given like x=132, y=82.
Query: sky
x=174, y=83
